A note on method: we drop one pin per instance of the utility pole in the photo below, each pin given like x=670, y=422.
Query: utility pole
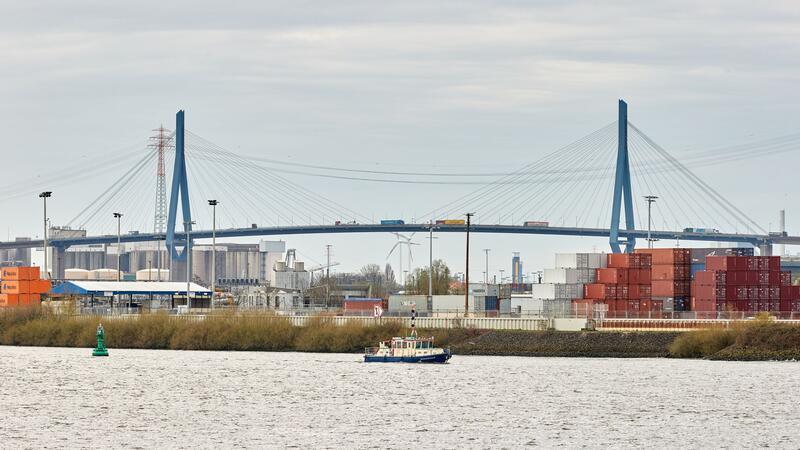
x=44, y=196
x=466, y=272
x=430, y=267
x=213, y=204
x=650, y=199
x=486, y=277
x=118, y=216
x=188, y=226
x=328, y=276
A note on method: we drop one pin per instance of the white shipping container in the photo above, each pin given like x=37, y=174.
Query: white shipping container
x=559, y=307
x=569, y=275
x=557, y=290
x=526, y=304
x=580, y=260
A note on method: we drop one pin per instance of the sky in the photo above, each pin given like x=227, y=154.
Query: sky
x=414, y=86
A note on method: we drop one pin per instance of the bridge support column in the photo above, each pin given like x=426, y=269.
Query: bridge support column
x=622, y=187
x=765, y=249
x=58, y=262
x=180, y=185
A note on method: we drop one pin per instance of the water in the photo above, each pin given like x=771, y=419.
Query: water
x=57, y=397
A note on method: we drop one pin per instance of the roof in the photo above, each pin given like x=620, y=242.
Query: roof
x=102, y=288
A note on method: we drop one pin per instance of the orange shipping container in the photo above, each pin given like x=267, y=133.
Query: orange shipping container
x=15, y=287
x=9, y=300
x=629, y=260
x=19, y=273
x=661, y=272
x=29, y=299
x=668, y=256
x=40, y=286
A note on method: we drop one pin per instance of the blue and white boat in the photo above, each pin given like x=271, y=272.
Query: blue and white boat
x=410, y=349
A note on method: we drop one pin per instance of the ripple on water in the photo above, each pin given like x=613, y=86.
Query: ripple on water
x=146, y=399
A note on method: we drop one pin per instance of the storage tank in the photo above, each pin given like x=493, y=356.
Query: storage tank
x=152, y=275
x=280, y=266
x=76, y=274
x=103, y=275
x=299, y=266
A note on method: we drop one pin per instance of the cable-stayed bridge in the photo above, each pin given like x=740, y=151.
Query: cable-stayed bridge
x=587, y=188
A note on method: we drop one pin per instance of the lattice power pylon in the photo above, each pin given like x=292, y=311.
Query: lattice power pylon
x=161, y=141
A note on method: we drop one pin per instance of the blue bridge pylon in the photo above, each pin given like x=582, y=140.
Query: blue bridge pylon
x=180, y=185
x=622, y=187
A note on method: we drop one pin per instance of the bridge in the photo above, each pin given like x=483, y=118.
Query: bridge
x=572, y=180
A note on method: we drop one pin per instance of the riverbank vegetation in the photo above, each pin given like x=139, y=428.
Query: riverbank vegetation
x=760, y=339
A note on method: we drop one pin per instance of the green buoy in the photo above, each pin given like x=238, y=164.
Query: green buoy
x=101, y=349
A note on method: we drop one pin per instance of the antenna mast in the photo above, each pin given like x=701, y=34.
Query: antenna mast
x=161, y=141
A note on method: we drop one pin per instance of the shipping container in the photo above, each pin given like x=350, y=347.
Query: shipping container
x=569, y=276
x=660, y=272
x=15, y=287
x=668, y=256
x=600, y=291
x=556, y=290
x=13, y=273
x=698, y=255
x=450, y=222
x=392, y=222
x=629, y=260
x=671, y=288
x=580, y=260
x=700, y=304
x=612, y=276
x=535, y=223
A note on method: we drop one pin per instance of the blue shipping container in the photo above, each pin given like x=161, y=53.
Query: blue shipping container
x=393, y=222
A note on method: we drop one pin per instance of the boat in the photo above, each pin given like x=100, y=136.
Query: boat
x=411, y=349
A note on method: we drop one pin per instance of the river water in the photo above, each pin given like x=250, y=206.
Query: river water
x=59, y=397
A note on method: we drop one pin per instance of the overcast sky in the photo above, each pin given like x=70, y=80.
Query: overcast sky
x=458, y=86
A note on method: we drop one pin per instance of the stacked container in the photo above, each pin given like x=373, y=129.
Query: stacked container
x=744, y=284
x=623, y=286
x=564, y=283
x=21, y=286
x=671, y=276
x=698, y=261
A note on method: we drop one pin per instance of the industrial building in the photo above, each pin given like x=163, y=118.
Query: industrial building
x=103, y=296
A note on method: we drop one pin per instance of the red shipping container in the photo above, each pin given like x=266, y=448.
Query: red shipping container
x=633, y=305
x=668, y=256
x=704, y=304
x=600, y=291
x=639, y=276
x=621, y=305
x=727, y=262
x=786, y=278
x=629, y=260
x=774, y=292
x=774, y=263
x=612, y=276
x=666, y=273
x=670, y=288
x=634, y=291
x=785, y=305
x=711, y=277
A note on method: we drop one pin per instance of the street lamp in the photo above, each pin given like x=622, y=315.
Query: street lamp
x=213, y=204
x=118, y=216
x=188, y=226
x=650, y=199
x=486, y=274
x=44, y=196
x=466, y=272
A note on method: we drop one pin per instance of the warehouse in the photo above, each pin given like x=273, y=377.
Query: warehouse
x=136, y=295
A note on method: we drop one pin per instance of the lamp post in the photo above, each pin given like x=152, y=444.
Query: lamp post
x=44, y=196
x=466, y=272
x=430, y=267
x=188, y=226
x=118, y=216
x=213, y=204
x=650, y=199
x=486, y=276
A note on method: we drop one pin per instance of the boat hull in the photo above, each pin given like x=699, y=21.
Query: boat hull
x=440, y=358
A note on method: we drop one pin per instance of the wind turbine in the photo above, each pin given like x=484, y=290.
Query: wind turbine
x=403, y=240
